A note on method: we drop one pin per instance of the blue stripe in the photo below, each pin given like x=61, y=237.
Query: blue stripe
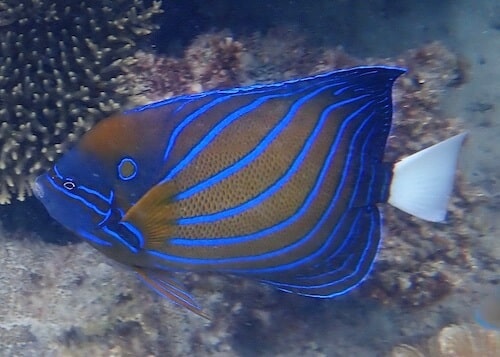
x=265, y=233
x=135, y=232
x=274, y=187
x=105, y=218
x=120, y=239
x=338, y=74
x=373, y=176
x=76, y=197
x=347, y=240
x=305, y=206
x=93, y=238
x=93, y=192
x=190, y=118
x=323, y=220
x=353, y=227
x=238, y=92
x=330, y=285
x=223, y=123
x=357, y=275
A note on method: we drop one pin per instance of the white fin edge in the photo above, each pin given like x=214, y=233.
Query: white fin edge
x=422, y=183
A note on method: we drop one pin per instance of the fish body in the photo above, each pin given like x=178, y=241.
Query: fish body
x=276, y=182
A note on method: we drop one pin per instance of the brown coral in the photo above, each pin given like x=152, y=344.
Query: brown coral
x=456, y=341
x=213, y=60
x=59, y=68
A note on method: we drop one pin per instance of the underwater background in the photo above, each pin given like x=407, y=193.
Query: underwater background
x=64, y=67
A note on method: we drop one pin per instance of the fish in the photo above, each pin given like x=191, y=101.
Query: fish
x=280, y=183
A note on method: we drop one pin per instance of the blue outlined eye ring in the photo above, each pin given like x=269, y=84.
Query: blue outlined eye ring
x=127, y=169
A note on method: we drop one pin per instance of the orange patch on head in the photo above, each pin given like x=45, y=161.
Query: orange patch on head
x=110, y=137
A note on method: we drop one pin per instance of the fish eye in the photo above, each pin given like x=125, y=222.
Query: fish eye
x=69, y=185
x=127, y=169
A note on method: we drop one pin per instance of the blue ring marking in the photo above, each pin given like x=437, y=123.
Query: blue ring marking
x=277, y=227
x=275, y=186
x=124, y=161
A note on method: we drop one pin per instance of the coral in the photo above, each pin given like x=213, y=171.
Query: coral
x=213, y=60
x=280, y=54
x=406, y=351
x=218, y=60
x=455, y=340
x=59, y=69
x=466, y=341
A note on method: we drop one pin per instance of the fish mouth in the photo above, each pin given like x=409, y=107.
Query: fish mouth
x=37, y=188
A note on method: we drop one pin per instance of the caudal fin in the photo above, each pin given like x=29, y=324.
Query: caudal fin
x=422, y=183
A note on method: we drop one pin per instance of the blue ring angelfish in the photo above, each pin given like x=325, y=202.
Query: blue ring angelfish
x=278, y=182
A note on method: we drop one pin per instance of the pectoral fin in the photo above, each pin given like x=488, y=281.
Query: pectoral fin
x=153, y=215
x=170, y=289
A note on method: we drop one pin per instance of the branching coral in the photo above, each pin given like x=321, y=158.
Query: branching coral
x=59, y=69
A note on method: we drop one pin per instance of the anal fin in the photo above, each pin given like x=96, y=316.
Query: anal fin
x=169, y=289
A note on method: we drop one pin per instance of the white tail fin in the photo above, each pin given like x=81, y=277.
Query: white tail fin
x=422, y=183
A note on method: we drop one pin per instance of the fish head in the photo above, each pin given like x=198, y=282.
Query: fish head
x=93, y=185
x=77, y=194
